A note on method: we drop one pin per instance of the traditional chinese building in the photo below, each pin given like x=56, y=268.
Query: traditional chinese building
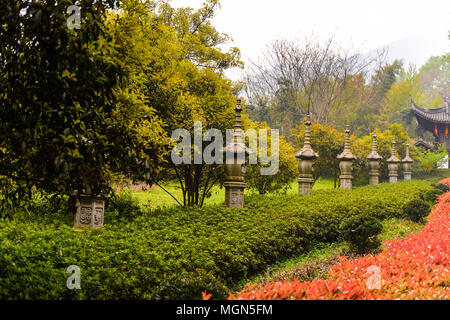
x=436, y=121
x=420, y=143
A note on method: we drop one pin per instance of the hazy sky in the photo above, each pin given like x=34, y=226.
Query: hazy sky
x=366, y=24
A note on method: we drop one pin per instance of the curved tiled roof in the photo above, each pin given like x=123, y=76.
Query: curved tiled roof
x=436, y=115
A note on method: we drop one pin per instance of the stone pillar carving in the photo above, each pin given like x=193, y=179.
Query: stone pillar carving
x=346, y=163
x=374, y=163
x=305, y=160
x=90, y=212
x=393, y=162
x=407, y=161
x=235, y=153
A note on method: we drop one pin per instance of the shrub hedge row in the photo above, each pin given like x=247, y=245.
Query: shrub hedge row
x=178, y=253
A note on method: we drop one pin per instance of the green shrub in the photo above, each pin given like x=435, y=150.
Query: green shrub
x=176, y=253
x=433, y=195
x=124, y=204
x=361, y=233
x=443, y=187
x=416, y=210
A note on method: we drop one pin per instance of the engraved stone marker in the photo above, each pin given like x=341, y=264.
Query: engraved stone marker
x=90, y=212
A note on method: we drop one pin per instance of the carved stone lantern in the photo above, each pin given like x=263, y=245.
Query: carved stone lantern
x=346, y=163
x=90, y=212
x=393, y=162
x=305, y=160
x=374, y=162
x=407, y=161
x=235, y=153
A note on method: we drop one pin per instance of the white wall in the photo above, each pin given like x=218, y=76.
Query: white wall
x=443, y=164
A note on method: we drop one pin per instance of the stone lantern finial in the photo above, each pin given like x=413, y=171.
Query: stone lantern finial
x=306, y=157
x=374, y=162
x=237, y=117
x=346, y=161
x=407, y=161
x=393, y=162
x=374, y=143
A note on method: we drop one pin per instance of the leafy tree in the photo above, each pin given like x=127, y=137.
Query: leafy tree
x=385, y=76
x=427, y=160
x=287, y=169
x=69, y=115
x=180, y=72
x=434, y=75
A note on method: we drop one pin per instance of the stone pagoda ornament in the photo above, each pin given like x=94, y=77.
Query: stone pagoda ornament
x=305, y=160
x=235, y=152
x=393, y=162
x=90, y=212
x=374, y=163
x=346, y=163
x=407, y=161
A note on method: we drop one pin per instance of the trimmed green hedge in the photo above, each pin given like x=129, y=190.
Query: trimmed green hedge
x=178, y=253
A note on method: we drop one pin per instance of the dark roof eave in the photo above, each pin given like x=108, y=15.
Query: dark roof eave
x=437, y=115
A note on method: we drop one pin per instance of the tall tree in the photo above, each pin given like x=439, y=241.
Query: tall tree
x=180, y=67
x=67, y=123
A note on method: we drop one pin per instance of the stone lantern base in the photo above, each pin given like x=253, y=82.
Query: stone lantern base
x=234, y=194
x=346, y=181
x=393, y=177
x=305, y=186
x=407, y=176
x=374, y=179
x=90, y=212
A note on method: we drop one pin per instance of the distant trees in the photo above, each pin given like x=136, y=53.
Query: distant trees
x=434, y=76
x=297, y=78
x=178, y=65
x=328, y=142
x=340, y=87
x=428, y=160
x=425, y=86
x=287, y=166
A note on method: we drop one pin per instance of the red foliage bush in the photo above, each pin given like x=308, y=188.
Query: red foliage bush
x=445, y=181
x=416, y=267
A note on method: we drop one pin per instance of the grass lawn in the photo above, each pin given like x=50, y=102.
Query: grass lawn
x=157, y=197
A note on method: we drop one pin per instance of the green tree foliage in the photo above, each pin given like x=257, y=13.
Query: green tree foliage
x=427, y=160
x=280, y=97
x=385, y=76
x=69, y=117
x=104, y=99
x=416, y=210
x=361, y=232
x=287, y=169
x=176, y=59
x=434, y=75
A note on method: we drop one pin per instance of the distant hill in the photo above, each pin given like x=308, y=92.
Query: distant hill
x=417, y=49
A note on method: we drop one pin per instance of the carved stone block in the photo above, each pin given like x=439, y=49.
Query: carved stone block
x=90, y=212
x=234, y=195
